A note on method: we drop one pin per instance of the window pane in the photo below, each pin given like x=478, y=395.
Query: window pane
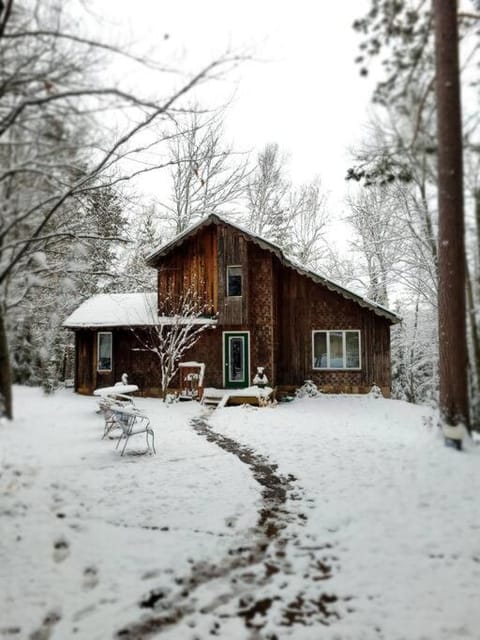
x=236, y=360
x=320, y=350
x=353, y=349
x=234, y=281
x=336, y=349
x=104, y=351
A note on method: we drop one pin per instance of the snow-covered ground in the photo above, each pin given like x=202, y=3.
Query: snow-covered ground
x=381, y=537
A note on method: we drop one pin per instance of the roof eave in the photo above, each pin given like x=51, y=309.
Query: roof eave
x=212, y=322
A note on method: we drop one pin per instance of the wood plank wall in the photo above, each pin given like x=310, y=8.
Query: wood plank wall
x=130, y=357
x=192, y=265
x=85, y=356
x=232, y=251
x=304, y=306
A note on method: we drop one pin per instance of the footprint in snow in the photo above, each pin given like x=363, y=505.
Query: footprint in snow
x=90, y=578
x=61, y=549
x=45, y=630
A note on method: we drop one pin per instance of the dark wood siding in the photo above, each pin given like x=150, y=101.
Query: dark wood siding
x=261, y=304
x=87, y=377
x=127, y=357
x=209, y=350
x=85, y=356
x=304, y=306
x=232, y=251
x=192, y=265
x=141, y=366
x=293, y=326
x=279, y=307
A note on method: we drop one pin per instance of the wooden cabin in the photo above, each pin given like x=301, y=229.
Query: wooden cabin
x=263, y=310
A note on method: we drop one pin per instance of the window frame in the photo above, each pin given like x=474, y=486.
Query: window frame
x=344, y=349
x=234, y=266
x=99, y=334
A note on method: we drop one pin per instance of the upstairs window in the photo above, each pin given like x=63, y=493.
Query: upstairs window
x=234, y=281
x=104, y=351
x=336, y=349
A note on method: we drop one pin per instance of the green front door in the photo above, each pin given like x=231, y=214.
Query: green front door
x=236, y=352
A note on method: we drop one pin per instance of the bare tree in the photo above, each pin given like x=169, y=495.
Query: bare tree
x=52, y=152
x=309, y=217
x=206, y=174
x=174, y=332
x=145, y=234
x=267, y=208
x=402, y=34
x=379, y=239
x=415, y=355
x=472, y=238
x=401, y=221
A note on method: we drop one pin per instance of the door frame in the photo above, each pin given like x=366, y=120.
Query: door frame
x=246, y=354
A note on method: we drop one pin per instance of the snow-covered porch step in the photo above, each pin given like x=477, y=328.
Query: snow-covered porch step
x=250, y=395
x=212, y=396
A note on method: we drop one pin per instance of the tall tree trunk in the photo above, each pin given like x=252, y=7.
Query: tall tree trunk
x=451, y=244
x=5, y=373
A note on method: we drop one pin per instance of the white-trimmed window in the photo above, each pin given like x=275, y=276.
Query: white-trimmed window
x=104, y=350
x=234, y=281
x=336, y=350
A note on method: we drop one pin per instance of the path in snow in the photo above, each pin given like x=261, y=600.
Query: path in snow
x=236, y=587
x=85, y=531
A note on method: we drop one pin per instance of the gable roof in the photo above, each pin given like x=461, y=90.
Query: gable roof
x=216, y=219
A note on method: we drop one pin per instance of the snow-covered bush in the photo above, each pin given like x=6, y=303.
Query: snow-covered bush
x=308, y=390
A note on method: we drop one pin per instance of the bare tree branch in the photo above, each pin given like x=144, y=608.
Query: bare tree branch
x=159, y=110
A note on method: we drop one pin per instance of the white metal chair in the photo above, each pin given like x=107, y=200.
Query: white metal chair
x=107, y=405
x=132, y=422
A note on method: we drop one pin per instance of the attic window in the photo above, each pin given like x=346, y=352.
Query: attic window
x=234, y=281
x=336, y=349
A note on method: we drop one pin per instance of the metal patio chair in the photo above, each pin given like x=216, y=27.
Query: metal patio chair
x=107, y=405
x=132, y=422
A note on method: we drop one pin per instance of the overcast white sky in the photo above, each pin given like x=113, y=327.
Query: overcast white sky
x=304, y=92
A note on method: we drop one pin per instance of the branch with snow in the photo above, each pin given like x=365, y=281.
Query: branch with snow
x=176, y=331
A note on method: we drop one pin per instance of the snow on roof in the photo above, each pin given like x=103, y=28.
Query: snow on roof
x=215, y=218
x=115, y=310
x=123, y=310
